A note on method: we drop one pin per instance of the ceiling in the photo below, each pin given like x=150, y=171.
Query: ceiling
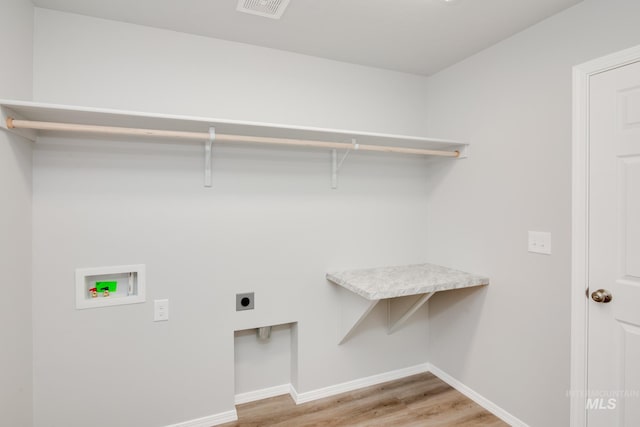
x=413, y=36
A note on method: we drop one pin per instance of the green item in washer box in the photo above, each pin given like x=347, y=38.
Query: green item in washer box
x=106, y=286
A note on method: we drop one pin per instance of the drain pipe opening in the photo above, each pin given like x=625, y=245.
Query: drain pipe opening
x=264, y=333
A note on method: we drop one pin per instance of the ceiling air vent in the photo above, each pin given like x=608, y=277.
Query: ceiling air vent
x=268, y=8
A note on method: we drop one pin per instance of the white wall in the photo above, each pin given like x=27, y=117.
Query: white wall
x=510, y=342
x=270, y=224
x=16, y=31
x=91, y=62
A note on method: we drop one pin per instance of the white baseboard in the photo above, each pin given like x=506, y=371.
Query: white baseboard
x=308, y=396
x=480, y=400
x=264, y=393
x=211, y=420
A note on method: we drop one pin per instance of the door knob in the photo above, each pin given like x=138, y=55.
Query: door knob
x=602, y=295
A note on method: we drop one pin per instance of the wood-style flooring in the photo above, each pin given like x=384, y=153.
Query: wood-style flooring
x=421, y=400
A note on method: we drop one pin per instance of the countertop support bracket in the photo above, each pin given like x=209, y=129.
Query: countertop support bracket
x=395, y=322
x=207, y=157
x=352, y=317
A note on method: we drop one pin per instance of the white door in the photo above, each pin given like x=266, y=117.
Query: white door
x=614, y=249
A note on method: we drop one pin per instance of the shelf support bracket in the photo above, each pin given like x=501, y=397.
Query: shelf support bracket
x=395, y=322
x=334, y=169
x=207, y=157
x=335, y=165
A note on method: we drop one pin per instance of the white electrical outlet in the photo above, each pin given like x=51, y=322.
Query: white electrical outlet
x=540, y=242
x=160, y=310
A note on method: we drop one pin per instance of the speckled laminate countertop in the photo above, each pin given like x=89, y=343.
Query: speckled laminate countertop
x=397, y=281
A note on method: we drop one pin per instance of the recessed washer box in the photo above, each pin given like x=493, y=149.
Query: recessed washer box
x=109, y=286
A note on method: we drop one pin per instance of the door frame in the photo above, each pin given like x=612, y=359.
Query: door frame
x=580, y=223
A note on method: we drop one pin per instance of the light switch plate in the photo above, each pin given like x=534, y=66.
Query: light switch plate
x=160, y=310
x=540, y=242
